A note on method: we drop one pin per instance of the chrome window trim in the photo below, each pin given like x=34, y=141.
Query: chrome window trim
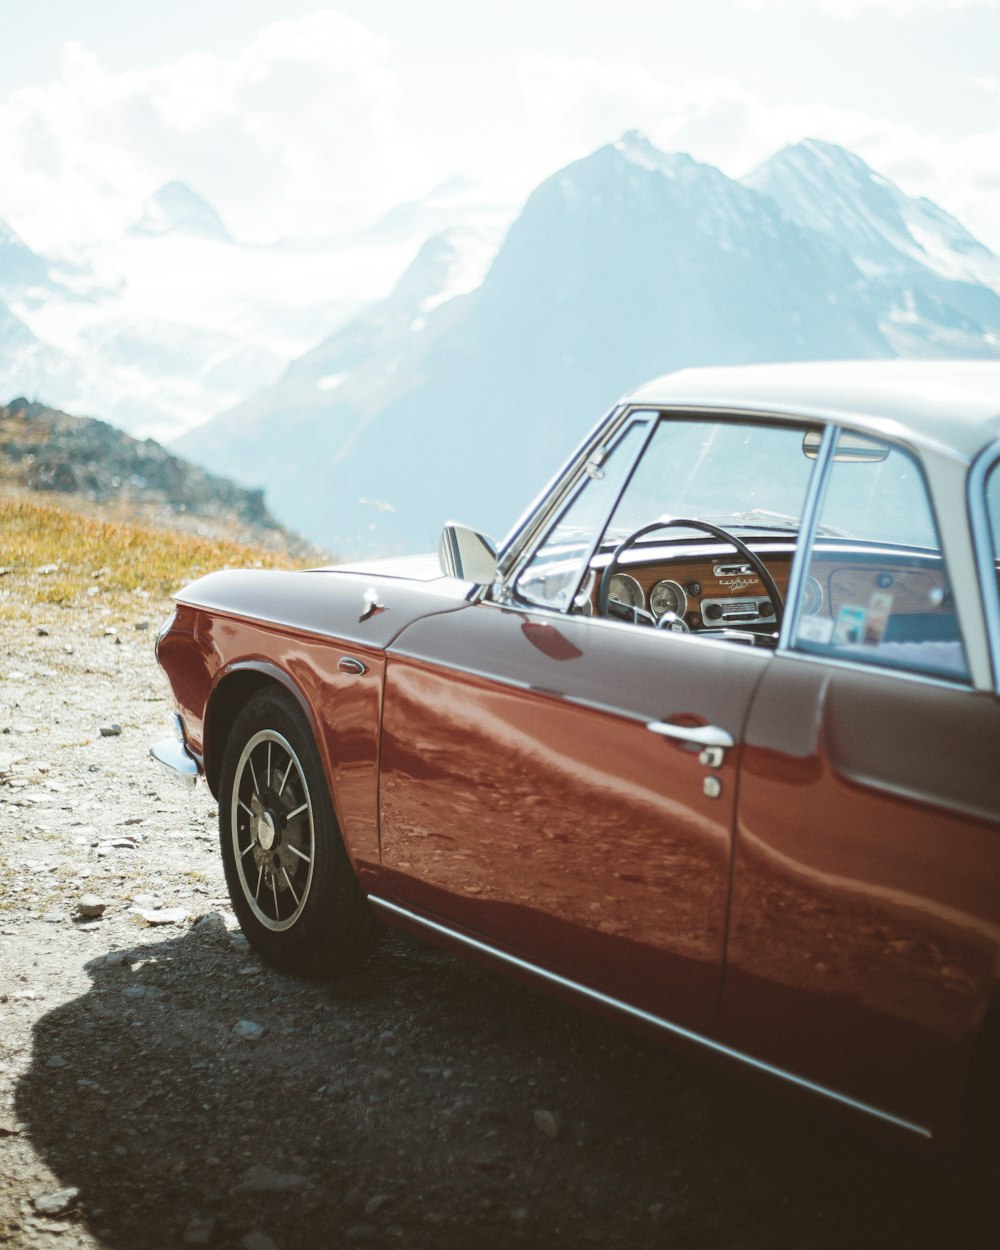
x=983, y=545
x=572, y=486
x=804, y=539
x=551, y=497
x=637, y=1013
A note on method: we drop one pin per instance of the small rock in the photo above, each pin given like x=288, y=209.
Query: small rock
x=165, y=915
x=200, y=1230
x=519, y=1215
x=259, y=1179
x=211, y=927
x=58, y=1202
x=144, y=991
x=55, y=917
x=42, y=632
x=142, y=625
x=257, y=1240
x=249, y=1030
x=111, y=731
x=548, y=1123
x=91, y=905
x=374, y=1204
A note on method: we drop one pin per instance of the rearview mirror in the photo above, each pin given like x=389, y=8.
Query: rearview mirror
x=466, y=554
x=851, y=447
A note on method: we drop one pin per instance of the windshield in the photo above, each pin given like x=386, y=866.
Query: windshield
x=741, y=476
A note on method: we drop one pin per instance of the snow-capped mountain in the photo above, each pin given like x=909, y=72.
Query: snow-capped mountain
x=163, y=327
x=370, y=405
x=626, y=264
x=176, y=207
x=827, y=188
x=21, y=269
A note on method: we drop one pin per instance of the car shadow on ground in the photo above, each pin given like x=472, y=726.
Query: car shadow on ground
x=424, y=1102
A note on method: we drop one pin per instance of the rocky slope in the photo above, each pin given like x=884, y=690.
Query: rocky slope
x=85, y=461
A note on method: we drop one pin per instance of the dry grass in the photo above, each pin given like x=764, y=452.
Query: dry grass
x=53, y=556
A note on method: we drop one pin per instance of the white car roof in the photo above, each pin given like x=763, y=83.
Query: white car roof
x=950, y=407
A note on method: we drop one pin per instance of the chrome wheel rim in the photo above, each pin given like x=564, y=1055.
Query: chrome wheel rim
x=272, y=830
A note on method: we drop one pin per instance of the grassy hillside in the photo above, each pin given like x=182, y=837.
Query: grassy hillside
x=63, y=558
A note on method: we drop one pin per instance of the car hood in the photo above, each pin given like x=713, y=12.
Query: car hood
x=367, y=603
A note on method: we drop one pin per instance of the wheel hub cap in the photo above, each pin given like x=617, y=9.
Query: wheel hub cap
x=267, y=831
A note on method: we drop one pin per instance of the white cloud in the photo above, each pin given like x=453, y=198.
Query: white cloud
x=846, y=10
x=578, y=104
x=299, y=132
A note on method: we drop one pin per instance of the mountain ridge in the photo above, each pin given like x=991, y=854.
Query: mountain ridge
x=626, y=264
x=52, y=454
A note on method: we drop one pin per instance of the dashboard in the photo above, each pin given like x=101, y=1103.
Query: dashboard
x=708, y=590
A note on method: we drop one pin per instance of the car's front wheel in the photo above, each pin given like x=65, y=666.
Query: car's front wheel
x=291, y=883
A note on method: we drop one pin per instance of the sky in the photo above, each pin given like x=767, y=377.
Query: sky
x=303, y=120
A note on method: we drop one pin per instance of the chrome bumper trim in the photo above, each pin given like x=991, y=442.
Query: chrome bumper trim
x=647, y=1018
x=175, y=757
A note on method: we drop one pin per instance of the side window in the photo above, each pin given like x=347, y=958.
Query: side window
x=551, y=576
x=877, y=590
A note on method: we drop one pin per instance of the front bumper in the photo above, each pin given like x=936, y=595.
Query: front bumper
x=173, y=755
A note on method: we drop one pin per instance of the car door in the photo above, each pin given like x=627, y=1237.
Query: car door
x=530, y=796
x=865, y=932
x=562, y=786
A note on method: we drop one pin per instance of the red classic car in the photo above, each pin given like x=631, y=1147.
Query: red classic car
x=711, y=741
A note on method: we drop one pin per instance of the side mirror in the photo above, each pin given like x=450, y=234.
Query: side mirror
x=466, y=554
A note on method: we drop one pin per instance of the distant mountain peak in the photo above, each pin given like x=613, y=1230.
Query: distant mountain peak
x=20, y=267
x=176, y=207
x=823, y=186
x=640, y=150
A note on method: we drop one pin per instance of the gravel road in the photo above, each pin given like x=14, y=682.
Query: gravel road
x=160, y=1088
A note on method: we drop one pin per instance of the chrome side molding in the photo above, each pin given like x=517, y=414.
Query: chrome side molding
x=636, y=1013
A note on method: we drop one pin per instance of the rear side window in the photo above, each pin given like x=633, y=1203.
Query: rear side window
x=877, y=590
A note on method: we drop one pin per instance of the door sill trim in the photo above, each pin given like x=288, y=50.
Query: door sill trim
x=637, y=1013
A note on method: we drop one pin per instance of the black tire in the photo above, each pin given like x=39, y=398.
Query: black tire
x=291, y=883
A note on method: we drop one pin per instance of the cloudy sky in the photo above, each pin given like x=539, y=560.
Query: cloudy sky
x=296, y=119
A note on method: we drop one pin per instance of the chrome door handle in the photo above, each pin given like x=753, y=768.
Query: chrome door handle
x=347, y=664
x=701, y=735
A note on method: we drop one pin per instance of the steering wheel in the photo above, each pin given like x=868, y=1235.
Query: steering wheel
x=759, y=567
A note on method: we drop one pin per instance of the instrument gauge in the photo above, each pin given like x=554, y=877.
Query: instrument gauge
x=626, y=591
x=667, y=596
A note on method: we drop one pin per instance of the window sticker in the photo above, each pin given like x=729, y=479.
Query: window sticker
x=879, y=611
x=850, y=626
x=818, y=629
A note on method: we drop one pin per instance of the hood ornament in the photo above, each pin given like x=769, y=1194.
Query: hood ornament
x=370, y=605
